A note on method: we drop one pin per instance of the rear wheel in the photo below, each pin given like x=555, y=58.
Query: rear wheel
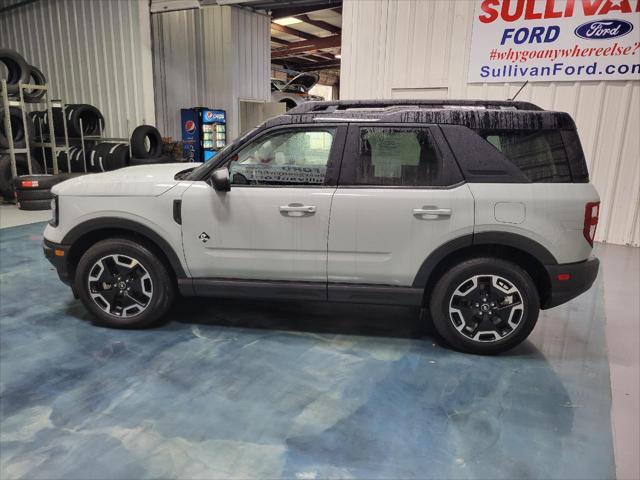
x=124, y=284
x=485, y=305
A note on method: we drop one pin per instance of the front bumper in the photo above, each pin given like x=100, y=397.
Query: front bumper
x=569, y=280
x=58, y=254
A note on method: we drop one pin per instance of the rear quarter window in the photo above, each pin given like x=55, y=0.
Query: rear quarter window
x=547, y=156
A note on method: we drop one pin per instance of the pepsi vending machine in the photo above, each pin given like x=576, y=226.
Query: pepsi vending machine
x=203, y=132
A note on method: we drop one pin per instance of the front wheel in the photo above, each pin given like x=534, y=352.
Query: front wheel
x=124, y=284
x=485, y=305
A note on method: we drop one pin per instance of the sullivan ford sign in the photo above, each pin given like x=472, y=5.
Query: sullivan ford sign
x=555, y=40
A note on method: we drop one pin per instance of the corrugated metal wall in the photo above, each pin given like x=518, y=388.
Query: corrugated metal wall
x=210, y=57
x=420, y=49
x=95, y=52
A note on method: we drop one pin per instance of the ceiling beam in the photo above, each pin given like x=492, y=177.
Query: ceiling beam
x=294, y=11
x=298, y=48
x=320, y=66
x=292, y=31
x=280, y=41
x=320, y=24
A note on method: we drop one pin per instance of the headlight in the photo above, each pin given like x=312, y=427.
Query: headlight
x=54, y=212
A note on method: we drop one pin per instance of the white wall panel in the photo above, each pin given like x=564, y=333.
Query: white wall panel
x=211, y=57
x=96, y=52
x=420, y=49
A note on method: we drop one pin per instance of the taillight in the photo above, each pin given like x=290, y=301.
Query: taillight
x=591, y=213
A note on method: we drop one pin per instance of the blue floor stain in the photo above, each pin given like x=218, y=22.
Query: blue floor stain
x=243, y=389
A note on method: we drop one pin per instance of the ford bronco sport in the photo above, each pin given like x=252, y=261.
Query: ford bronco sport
x=479, y=212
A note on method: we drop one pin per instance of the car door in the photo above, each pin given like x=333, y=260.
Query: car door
x=400, y=196
x=273, y=223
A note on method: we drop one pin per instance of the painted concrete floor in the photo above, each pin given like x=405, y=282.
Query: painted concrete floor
x=237, y=389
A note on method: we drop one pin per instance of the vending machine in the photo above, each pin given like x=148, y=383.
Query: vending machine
x=203, y=132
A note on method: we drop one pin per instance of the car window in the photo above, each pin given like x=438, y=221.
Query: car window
x=397, y=157
x=294, y=157
x=540, y=154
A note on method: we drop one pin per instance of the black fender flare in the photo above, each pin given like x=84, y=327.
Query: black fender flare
x=507, y=239
x=96, y=224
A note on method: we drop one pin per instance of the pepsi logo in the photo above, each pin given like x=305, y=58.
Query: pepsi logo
x=208, y=115
x=189, y=126
x=603, y=29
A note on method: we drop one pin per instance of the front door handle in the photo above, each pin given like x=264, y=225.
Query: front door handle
x=431, y=212
x=297, y=209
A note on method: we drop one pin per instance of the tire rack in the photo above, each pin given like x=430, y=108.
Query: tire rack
x=7, y=103
x=99, y=138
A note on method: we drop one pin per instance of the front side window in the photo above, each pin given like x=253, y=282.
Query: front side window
x=540, y=154
x=294, y=157
x=389, y=156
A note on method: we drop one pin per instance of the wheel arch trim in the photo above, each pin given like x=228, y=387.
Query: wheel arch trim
x=122, y=224
x=506, y=239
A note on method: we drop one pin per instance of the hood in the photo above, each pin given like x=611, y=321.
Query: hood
x=304, y=80
x=138, y=181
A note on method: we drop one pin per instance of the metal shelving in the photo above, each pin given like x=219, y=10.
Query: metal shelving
x=20, y=103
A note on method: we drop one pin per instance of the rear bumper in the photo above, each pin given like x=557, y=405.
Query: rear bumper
x=57, y=254
x=581, y=277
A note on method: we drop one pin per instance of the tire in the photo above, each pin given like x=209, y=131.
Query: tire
x=100, y=158
x=91, y=117
x=29, y=195
x=17, y=69
x=17, y=129
x=119, y=158
x=106, y=304
x=35, y=205
x=7, y=185
x=36, y=77
x=457, y=303
x=149, y=161
x=138, y=144
x=45, y=181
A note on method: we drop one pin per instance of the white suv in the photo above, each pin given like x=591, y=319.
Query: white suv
x=480, y=212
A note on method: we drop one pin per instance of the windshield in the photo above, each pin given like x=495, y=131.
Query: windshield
x=198, y=171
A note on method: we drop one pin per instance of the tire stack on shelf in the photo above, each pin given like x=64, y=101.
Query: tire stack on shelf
x=19, y=71
x=83, y=148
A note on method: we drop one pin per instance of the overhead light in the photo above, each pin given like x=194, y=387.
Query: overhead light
x=337, y=55
x=287, y=21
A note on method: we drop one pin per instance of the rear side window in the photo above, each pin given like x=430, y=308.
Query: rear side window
x=389, y=156
x=541, y=154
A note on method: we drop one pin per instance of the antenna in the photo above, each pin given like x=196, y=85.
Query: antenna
x=518, y=92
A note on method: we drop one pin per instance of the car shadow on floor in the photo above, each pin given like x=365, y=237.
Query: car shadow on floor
x=314, y=317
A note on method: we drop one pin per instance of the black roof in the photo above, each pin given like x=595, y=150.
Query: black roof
x=475, y=114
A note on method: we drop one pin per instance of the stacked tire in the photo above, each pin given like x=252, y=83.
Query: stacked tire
x=19, y=130
x=107, y=156
x=7, y=186
x=19, y=71
x=33, y=192
x=76, y=162
x=82, y=120
x=146, y=146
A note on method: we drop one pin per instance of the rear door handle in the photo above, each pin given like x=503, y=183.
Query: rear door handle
x=432, y=212
x=298, y=209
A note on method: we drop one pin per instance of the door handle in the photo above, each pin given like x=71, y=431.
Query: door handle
x=297, y=208
x=432, y=212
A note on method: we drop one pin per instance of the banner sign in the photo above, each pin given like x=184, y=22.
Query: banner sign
x=555, y=40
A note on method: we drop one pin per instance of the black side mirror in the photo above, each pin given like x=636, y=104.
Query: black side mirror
x=220, y=180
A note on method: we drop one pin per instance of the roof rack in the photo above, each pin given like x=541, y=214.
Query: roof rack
x=342, y=105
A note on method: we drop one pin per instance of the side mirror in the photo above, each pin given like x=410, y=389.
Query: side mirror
x=220, y=180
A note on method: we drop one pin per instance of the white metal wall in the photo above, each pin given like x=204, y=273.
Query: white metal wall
x=212, y=57
x=96, y=52
x=420, y=49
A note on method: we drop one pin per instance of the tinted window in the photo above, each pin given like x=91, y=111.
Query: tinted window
x=284, y=158
x=540, y=154
x=397, y=157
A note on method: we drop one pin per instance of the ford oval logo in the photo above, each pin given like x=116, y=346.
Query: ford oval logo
x=603, y=29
